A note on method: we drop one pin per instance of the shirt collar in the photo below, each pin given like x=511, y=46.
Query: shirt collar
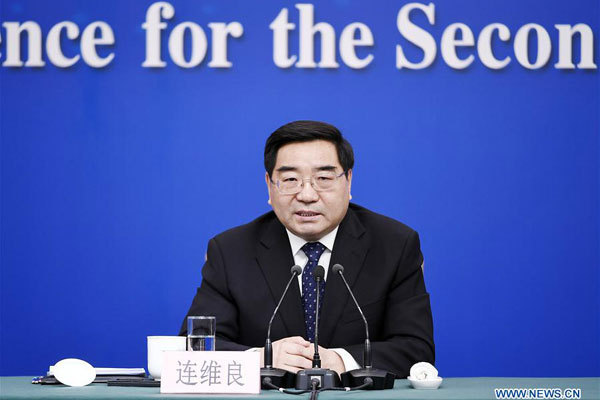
x=297, y=242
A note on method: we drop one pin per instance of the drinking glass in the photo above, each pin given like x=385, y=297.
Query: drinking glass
x=201, y=333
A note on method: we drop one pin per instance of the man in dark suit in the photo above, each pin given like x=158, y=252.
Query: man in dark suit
x=309, y=175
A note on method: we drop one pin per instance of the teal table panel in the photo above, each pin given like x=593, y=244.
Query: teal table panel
x=451, y=389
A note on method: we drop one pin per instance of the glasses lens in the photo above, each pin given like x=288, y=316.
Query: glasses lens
x=324, y=180
x=289, y=183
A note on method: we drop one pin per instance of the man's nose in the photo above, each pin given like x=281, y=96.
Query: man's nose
x=308, y=194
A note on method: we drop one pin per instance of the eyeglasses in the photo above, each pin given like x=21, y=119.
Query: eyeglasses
x=292, y=183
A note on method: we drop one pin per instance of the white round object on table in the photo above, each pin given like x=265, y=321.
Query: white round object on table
x=74, y=372
x=430, y=383
x=424, y=376
x=423, y=371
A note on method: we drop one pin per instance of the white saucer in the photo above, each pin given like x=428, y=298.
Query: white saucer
x=430, y=383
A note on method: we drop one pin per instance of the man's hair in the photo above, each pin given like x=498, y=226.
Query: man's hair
x=307, y=131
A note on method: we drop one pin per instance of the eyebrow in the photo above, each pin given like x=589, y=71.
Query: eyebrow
x=285, y=168
x=327, y=168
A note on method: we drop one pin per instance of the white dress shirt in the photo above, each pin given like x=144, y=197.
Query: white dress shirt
x=301, y=259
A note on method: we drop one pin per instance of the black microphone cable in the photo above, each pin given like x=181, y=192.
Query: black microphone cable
x=314, y=393
x=368, y=382
x=267, y=382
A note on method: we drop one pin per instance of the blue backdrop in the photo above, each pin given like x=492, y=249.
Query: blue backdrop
x=113, y=179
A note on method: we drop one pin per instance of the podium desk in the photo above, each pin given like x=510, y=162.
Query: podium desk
x=20, y=387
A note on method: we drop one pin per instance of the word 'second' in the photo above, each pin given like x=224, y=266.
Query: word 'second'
x=353, y=36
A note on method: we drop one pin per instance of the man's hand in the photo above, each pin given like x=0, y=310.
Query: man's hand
x=330, y=359
x=295, y=353
x=291, y=353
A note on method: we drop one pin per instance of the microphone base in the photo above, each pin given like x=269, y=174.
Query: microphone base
x=327, y=378
x=279, y=377
x=381, y=379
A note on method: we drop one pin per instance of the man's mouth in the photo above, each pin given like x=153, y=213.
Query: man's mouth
x=307, y=214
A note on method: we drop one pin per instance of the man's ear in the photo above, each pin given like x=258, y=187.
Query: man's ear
x=349, y=177
x=268, y=181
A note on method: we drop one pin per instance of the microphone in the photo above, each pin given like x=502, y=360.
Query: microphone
x=381, y=379
x=338, y=269
x=324, y=378
x=318, y=275
x=277, y=376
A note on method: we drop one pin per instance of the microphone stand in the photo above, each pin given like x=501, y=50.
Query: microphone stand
x=322, y=377
x=381, y=379
x=276, y=377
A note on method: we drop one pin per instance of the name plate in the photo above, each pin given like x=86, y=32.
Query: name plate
x=210, y=372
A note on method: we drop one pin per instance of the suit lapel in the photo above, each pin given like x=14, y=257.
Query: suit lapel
x=274, y=255
x=349, y=250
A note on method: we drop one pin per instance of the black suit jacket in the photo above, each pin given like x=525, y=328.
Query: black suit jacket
x=248, y=267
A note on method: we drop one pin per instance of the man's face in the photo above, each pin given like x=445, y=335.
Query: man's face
x=309, y=214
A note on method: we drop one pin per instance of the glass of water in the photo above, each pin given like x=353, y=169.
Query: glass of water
x=201, y=333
